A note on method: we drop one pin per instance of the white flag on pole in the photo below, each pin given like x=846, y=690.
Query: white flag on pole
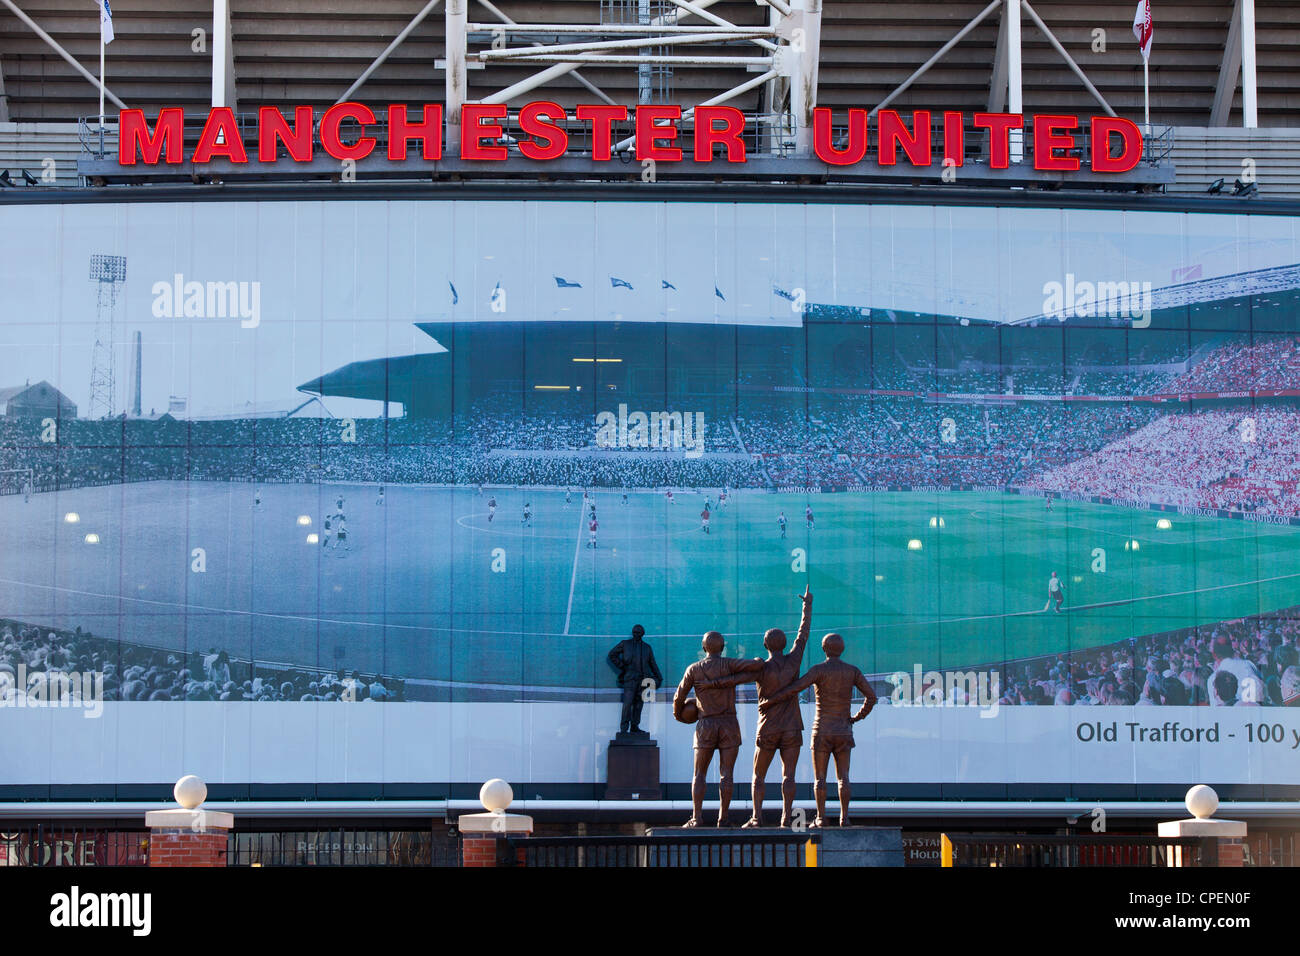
x=105, y=22
x=1142, y=27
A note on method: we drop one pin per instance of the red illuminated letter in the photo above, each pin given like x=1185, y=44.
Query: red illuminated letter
x=553, y=139
x=133, y=136
x=1000, y=126
x=1131, y=153
x=329, y=131
x=1047, y=140
x=648, y=134
x=271, y=126
x=954, y=139
x=733, y=124
x=602, y=117
x=428, y=131
x=890, y=132
x=220, y=137
x=823, y=135
x=472, y=132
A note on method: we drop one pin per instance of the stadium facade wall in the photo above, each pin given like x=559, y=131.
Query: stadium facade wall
x=1203, y=154
x=558, y=747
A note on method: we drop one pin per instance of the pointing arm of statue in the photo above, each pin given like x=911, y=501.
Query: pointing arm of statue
x=805, y=626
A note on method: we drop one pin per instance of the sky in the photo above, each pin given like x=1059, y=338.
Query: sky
x=343, y=281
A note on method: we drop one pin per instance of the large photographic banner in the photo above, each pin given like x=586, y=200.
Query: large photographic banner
x=366, y=491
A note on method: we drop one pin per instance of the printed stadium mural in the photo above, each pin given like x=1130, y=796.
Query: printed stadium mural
x=449, y=453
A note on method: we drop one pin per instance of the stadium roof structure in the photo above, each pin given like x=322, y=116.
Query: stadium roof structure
x=1071, y=57
x=775, y=60
x=406, y=379
x=1255, y=282
x=312, y=407
x=419, y=381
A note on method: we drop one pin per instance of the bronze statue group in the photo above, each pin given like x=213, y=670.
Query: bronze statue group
x=780, y=724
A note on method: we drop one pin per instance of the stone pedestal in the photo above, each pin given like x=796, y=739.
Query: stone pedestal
x=860, y=846
x=633, y=768
x=1227, y=834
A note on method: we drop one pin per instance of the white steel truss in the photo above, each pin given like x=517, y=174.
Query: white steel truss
x=784, y=55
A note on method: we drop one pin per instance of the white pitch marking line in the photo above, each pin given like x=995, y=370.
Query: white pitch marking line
x=573, y=575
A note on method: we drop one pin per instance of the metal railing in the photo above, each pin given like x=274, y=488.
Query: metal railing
x=1019, y=850
x=57, y=846
x=741, y=849
x=96, y=140
x=342, y=847
x=1157, y=145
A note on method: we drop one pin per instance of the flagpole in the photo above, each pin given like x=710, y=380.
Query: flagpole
x=1146, y=98
x=102, y=77
x=101, y=86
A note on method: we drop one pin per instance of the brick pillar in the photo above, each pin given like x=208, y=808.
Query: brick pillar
x=188, y=835
x=183, y=846
x=480, y=832
x=1231, y=853
x=478, y=851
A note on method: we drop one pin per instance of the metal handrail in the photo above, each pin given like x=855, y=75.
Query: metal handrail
x=660, y=849
x=1020, y=850
x=43, y=846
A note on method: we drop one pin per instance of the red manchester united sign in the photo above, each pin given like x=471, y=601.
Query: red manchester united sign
x=542, y=132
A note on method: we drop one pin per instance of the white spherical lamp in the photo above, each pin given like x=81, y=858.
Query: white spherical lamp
x=190, y=791
x=1202, y=801
x=495, y=795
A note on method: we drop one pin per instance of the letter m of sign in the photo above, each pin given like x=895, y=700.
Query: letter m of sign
x=134, y=137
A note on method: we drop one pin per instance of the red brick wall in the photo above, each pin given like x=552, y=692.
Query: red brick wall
x=478, y=851
x=187, y=848
x=1231, y=853
x=482, y=851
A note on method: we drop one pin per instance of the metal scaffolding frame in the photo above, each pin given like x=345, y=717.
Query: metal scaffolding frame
x=785, y=61
x=785, y=51
x=1005, y=83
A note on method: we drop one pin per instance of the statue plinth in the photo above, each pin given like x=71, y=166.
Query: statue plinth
x=634, y=738
x=633, y=768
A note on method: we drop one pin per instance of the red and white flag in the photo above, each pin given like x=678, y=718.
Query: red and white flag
x=1142, y=27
